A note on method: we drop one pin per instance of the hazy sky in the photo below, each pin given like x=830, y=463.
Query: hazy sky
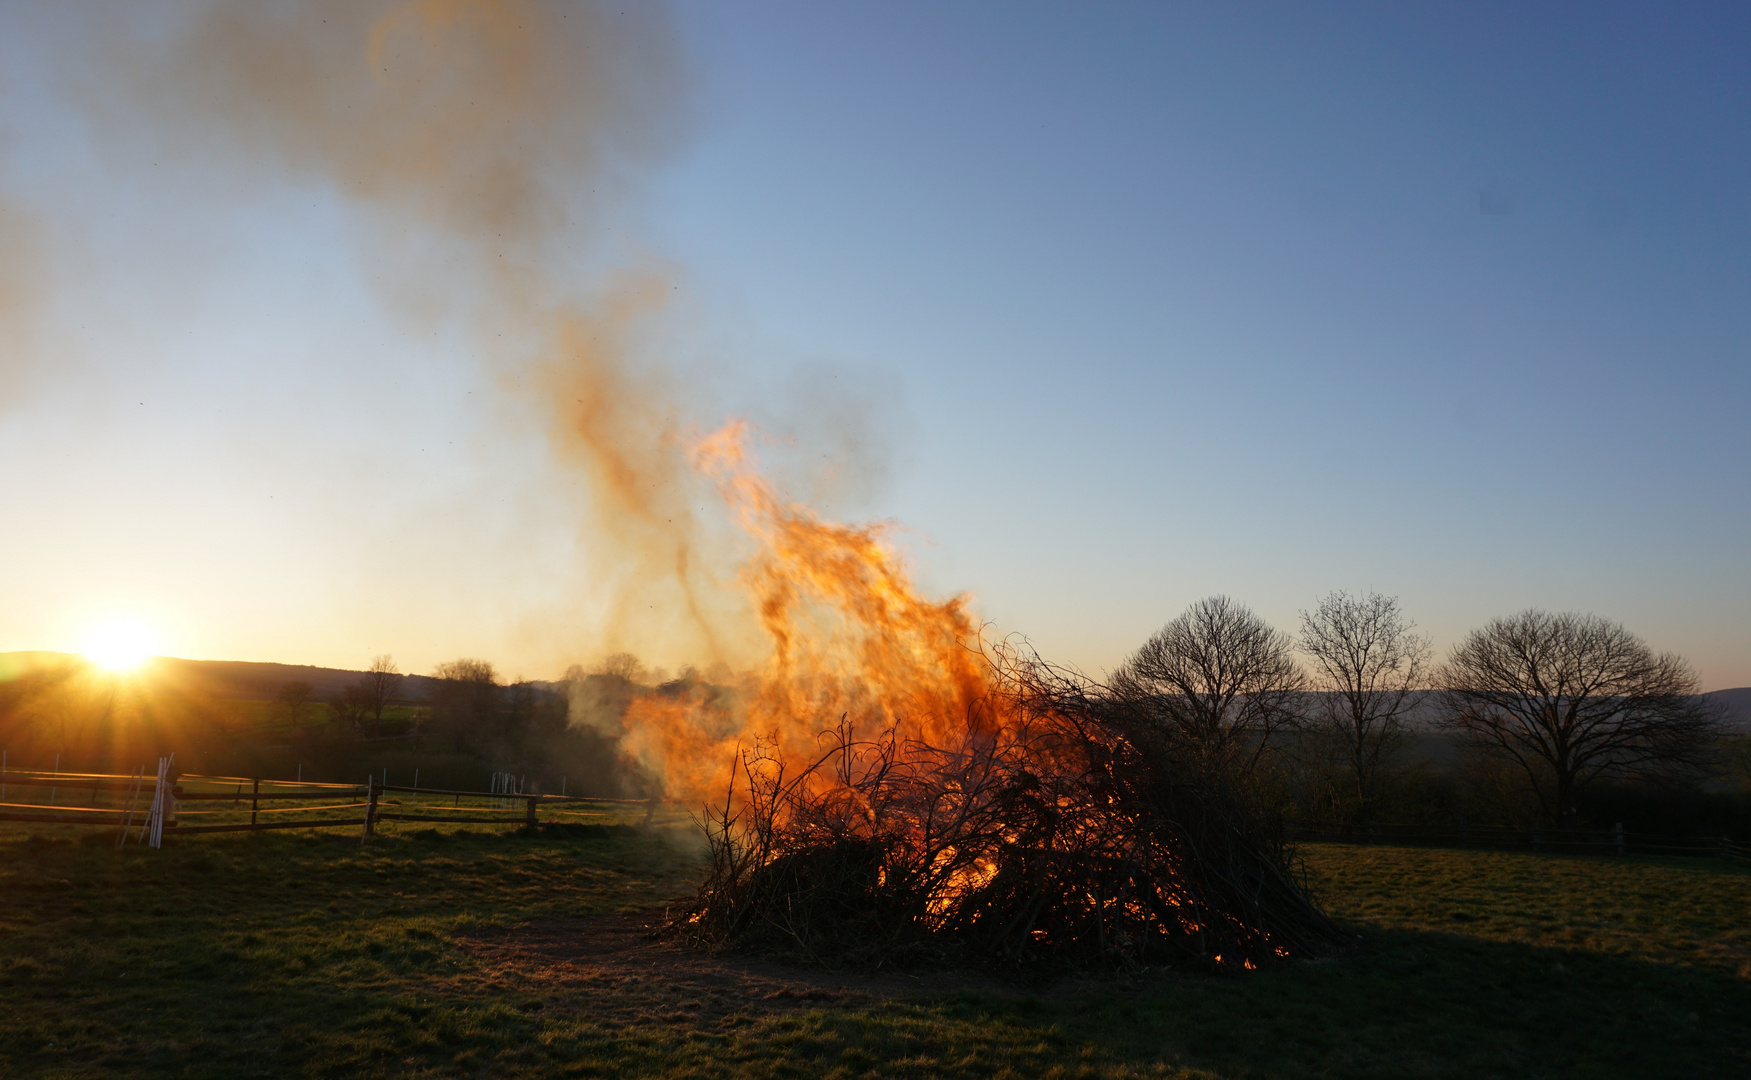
x=1111, y=306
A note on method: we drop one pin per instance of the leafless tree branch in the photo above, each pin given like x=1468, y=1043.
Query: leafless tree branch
x=1572, y=698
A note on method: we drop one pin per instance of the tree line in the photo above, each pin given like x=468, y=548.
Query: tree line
x=459, y=724
x=1354, y=718
x=1561, y=702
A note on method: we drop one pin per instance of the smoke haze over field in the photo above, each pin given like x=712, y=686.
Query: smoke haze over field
x=487, y=152
x=484, y=164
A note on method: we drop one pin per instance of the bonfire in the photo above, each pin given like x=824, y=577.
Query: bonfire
x=900, y=791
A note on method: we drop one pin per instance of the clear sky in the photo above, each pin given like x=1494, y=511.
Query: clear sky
x=1111, y=306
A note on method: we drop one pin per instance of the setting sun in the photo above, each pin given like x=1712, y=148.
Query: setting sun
x=119, y=645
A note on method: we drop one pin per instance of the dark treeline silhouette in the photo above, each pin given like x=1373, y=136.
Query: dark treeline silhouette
x=1533, y=718
x=466, y=723
x=1563, y=719
x=453, y=728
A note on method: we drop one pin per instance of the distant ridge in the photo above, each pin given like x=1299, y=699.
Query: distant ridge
x=261, y=681
x=236, y=679
x=256, y=681
x=1738, y=706
x=1425, y=714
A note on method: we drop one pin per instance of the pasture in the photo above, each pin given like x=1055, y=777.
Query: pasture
x=480, y=951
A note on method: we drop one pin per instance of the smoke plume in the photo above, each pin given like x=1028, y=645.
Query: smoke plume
x=489, y=158
x=493, y=152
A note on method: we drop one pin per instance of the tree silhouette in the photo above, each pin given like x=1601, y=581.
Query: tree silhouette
x=1215, y=682
x=1368, y=672
x=294, y=696
x=378, y=686
x=1571, y=698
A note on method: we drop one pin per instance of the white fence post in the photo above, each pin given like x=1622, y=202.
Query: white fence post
x=160, y=804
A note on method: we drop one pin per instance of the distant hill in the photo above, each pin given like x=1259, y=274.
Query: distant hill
x=1738, y=705
x=250, y=681
x=225, y=717
x=227, y=679
x=1424, y=714
x=257, y=681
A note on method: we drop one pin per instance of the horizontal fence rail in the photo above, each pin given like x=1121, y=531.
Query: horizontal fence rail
x=264, y=826
x=1613, y=841
x=227, y=796
x=189, y=804
x=83, y=782
x=503, y=795
x=194, y=804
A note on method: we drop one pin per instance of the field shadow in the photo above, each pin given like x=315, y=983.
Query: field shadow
x=1410, y=1003
x=616, y=968
x=471, y=955
x=1402, y=1004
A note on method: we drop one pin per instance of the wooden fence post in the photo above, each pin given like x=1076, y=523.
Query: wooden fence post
x=254, y=801
x=370, y=806
x=133, y=801
x=1535, y=837
x=1617, y=830
x=529, y=814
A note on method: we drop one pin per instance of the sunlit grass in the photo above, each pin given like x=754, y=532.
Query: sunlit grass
x=1669, y=911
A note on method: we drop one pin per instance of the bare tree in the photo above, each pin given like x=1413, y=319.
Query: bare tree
x=294, y=696
x=1217, y=681
x=1571, y=698
x=350, y=708
x=476, y=672
x=379, y=684
x=623, y=665
x=465, y=702
x=1369, y=667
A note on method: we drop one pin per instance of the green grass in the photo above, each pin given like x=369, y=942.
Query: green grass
x=1691, y=912
x=301, y=955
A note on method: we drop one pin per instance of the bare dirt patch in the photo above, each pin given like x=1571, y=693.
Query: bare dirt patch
x=613, y=968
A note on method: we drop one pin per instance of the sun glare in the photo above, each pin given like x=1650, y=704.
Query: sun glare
x=119, y=645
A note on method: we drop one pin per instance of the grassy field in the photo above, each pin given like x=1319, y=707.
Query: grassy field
x=445, y=953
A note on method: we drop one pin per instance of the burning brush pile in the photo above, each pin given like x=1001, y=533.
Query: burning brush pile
x=1070, y=835
x=969, y=803
x=1065, y=834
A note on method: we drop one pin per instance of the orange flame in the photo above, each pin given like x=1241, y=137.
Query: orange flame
x=850, y=638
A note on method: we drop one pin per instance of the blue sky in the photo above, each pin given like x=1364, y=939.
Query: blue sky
x=1112, y=306
x=1447, y=302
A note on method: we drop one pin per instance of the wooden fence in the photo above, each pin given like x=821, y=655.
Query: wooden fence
x=1612, y=841
x=174, y=804
x=177, y=804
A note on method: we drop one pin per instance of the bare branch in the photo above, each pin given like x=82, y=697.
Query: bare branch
x=1572, y=698
x=1369, y=668
x=1216, y=682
